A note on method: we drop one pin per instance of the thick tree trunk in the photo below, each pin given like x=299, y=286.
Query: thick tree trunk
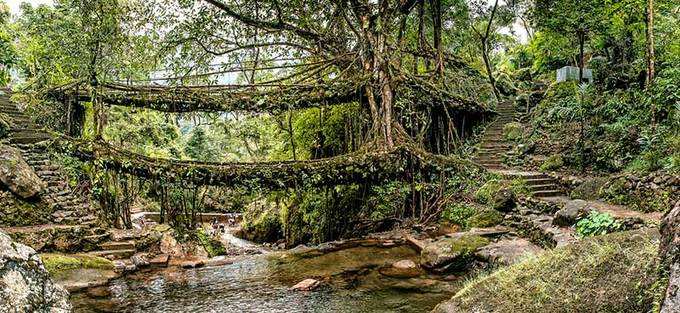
x=436, y=8
x=649, y=24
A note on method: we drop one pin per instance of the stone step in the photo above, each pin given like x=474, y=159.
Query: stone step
x=546, y=193
x=114, y=254
x=545, y=187
x=118, y=245
x=29, y=139
x=539, y=181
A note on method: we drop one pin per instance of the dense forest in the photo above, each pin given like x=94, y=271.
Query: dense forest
x=340, y=156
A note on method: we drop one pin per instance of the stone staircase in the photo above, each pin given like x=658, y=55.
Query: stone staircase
x=492, y=144
x=68, y=208
x=493, y=147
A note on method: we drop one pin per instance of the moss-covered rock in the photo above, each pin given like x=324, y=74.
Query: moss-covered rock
x=552, y=163
x=451, y=253
x=589, y=189
x=485, y=194
x=486, y=218
x=261, y=222
x=611, y=273
x=17, y=175
x=56, y=263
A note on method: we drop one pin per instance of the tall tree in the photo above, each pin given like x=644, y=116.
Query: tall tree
x=649, y=27
x=576, y=18
x=485, y=21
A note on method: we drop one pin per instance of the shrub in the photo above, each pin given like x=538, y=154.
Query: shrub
x=459, y=214
x=484, y=194
x=513, y=131
x=597, y=223
x=211, y=245
x=552, y=163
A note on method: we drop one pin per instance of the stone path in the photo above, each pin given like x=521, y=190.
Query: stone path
x=493, y=147
x=617, y=211
x=72, y=216
x=537, y=224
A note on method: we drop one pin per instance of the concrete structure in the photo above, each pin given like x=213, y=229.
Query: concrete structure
x=571, y=73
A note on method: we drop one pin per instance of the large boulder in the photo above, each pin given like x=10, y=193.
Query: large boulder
x=504, y=200
x=25, y=285
x=669, y=254
x=452, y=252
x=17, y=175
x=571, y=212
x=507, y=251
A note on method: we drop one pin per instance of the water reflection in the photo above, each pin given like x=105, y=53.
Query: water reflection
x=259, y=284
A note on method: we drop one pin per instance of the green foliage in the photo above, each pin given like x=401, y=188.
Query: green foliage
x=8, y=54
x=597, y=223
x=552, y=163
x=211, y=245
x=513, y=131
x=459, y=214
x=146, y=132
x=619, y=266
x=485, y=193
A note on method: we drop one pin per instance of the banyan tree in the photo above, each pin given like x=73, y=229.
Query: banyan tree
x=387, y=56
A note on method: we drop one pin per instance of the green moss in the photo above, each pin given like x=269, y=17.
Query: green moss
x=611, y=273
x=519, y=186
x=212, y=246
x=486, y=218
x=57, y=263
x=552, y=163
x=467, y=244
x=484, y=194
x=513, y=131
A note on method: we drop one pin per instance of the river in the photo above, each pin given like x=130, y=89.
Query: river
x=353, y=282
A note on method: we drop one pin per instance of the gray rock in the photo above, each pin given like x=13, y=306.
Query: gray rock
x=451, y=251
x=669, y=254
x=571, y=212
x=25, y=285
x=17, y=175
x=504, y=200
x=507, y=251
x=140, y=260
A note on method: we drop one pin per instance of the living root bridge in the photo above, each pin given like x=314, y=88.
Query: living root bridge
x=272, y=98
x=374, y=166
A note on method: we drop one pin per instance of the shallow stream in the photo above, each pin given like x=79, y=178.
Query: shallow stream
x=261, y=283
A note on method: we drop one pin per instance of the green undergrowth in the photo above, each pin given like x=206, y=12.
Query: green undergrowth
x=597, y=223
x=58, y=263
x=610, y=273
x=211, y=245
x=468, y=216
x=610, y=130
x=486, y=192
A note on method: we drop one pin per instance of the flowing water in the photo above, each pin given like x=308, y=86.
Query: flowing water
x=261, y=283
